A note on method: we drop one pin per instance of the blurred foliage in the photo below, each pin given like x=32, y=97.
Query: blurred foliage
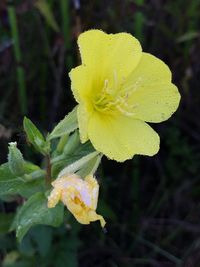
x=152, y=205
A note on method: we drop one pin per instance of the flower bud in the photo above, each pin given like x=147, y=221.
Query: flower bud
x=78, y=195
x=15, y=160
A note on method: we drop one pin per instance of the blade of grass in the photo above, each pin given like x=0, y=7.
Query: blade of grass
x=159, y=250
x=45, y=9
x=18, y=58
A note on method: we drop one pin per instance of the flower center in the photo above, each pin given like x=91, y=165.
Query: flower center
x=114, y=98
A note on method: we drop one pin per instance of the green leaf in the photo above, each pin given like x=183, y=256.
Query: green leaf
x=37, y=240
x=34, y=212
x=67, y=125
x=11, y=184
x=46, y=11
x=42, y=236
x=35, y=137
x=5, y=222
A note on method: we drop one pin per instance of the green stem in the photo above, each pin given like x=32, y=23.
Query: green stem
x=48, y=171
x=18, y=58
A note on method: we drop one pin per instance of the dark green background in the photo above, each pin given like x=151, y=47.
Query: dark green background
x=151, y=205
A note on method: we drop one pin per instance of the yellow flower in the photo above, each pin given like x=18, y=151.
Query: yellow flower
x=80, y=196
x=119, y=88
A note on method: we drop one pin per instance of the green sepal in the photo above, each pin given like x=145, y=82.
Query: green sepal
x=72, y=144
x=61, y=161
x=90, y=167
x=15, y=160
x=80, y=164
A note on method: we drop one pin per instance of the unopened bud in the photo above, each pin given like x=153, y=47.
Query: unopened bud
x=72, y=143
x=15, y=160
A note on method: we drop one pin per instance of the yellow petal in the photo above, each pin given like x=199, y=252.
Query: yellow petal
x=121, y=137
x=94, y=190
x=93, y=216
x=151, y=92
x=80, y=83
x=109, y=54
x=54, y=197
x=87, y=216
x=78, y=195
x=83, y=114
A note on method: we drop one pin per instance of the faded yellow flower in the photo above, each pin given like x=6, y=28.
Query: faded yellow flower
x=118, y=89
x=78, y=195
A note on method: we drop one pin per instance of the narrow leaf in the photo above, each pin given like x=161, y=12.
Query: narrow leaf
x=46, y=11
x=67, y=125
x=35, y=137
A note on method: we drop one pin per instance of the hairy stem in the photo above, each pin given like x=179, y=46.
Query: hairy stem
x=48, y=171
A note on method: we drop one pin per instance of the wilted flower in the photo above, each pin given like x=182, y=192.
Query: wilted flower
x=119, y=88
x=80, y=196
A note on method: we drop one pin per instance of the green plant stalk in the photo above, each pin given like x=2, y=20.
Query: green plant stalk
x=18, y=57
x=64, y=6
x=48, y=171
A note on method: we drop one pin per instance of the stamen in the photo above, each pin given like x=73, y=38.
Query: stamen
x=124, y=111
x=115, y=80
x=116, y=98
x=131, y=88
